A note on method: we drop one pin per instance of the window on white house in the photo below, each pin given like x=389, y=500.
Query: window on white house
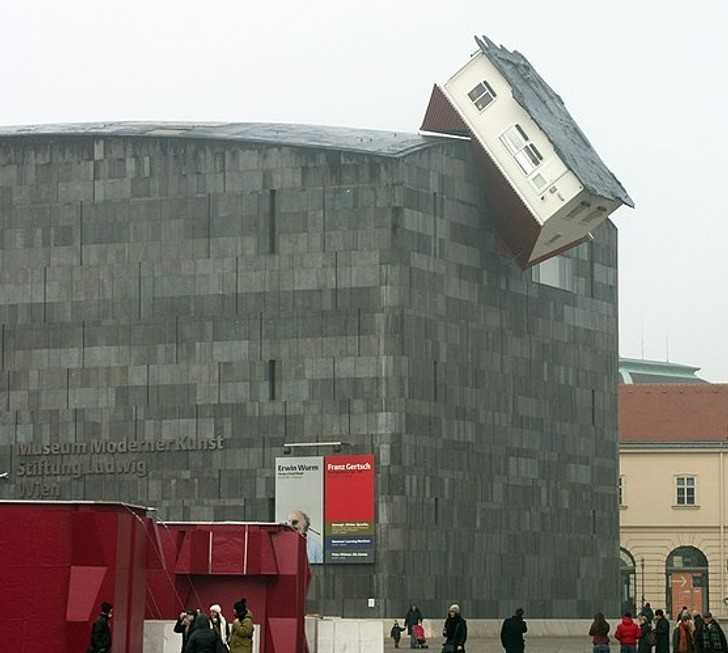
x=620, y=490
x=482, y=95
x=523, y=150
x=557, y=271
x=685, y=490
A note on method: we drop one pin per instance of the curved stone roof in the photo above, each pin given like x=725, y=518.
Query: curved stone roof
x=368, y=141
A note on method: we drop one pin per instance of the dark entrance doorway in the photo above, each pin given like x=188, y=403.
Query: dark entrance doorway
x=686, y=572
x=628, y=574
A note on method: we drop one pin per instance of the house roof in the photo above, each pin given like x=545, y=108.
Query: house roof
x=673, y=413
x=636, y=370
x=547, y=109
x=366, y=141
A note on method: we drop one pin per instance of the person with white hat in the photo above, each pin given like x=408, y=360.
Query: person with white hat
x=455, y=631
x=219, y=624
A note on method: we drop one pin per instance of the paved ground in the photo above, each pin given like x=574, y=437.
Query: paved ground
x=533, y=645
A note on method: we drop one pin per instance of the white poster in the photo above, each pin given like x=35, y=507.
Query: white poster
x=300, y=500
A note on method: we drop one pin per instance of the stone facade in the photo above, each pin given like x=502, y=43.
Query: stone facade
x=232, y=296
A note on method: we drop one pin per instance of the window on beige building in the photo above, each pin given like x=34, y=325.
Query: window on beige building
x=620, y=490
x=685, y=486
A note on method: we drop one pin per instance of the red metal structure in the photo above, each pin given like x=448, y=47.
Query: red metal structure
x=205, y=563
x=60, y=561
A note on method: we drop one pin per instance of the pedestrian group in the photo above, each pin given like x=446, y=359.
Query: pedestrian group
x=455, y=631
x=651, y=633
x=201, y=633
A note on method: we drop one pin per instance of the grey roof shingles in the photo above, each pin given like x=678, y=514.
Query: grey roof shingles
x=548, y=111
x=366, y=141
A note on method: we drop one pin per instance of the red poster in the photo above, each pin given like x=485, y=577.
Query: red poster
x=349, y=508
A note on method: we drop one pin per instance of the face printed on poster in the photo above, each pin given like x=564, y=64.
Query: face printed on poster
x=299, y=500
x=330, y=501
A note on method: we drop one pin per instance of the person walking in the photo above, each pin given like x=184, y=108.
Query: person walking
x=219, y=624
x=647, y=636
x=647, y=612
x=714, y=640
x=184, y=626
x=627, y=634
x=412, y=617
x=396, y=633
x=662, y=632
x=599, y=632
x=101, y=631
x=682, y=636
x=455, y=631
x=512, y=632
x=241, y=632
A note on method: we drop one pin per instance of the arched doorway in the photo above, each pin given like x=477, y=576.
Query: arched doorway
x=686, y=571
x=628, y=574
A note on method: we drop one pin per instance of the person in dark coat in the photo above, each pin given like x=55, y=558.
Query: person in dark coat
x=714, y=640
x=647, y=613
x=662, y=632
x=101, y=631
x=512, y=632
x=184, y=626
x=646, y=642
x=698, y=630
x=203, y=638
x=412, y=617
x=396, y=633
x=455, y=630
x=599, y=632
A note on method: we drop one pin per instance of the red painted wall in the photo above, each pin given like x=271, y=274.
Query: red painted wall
x=60, y=561
x=196, y=565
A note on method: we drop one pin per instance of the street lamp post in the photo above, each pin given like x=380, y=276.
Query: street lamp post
x=642, y=567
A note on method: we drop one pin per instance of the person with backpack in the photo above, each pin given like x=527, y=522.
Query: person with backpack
x=455, y=631
x=599, y=632
x=628, y=634
x=512, y=632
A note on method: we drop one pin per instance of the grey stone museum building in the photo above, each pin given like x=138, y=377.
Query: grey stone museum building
x=176, y=302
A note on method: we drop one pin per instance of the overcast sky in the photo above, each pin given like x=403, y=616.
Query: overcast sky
x=647, y=81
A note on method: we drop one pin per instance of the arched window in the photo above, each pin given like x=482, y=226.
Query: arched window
x=686, y=576
x=628, y=575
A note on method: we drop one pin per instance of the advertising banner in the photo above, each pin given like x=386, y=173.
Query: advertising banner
x=300, y=499
x=349, y=509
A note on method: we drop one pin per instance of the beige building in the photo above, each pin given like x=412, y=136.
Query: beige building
x=674, y=496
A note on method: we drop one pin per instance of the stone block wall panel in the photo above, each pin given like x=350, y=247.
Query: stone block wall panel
x=156, y=290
